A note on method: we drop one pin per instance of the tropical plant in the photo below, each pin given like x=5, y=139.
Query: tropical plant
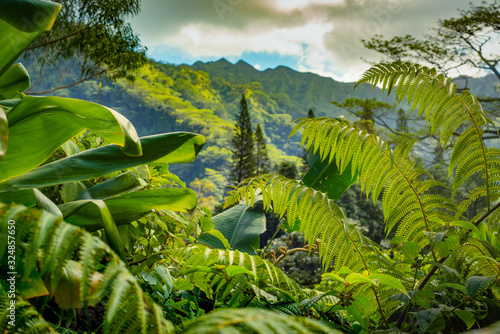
x=434, y=242
x=51, y=257
x=96, y=223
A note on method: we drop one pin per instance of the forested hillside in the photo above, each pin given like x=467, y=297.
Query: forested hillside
x=204, y=98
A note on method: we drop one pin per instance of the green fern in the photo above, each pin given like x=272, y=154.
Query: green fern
x=217, y=273
x=256, y=321
x=27, y=319
x=318, y=216
x=444, y=109
x=53, y=248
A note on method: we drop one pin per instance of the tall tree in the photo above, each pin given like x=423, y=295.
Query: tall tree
x=243, y=146
x=89, y=39
x=287, y=169
x=261, y=156
x=460, y=42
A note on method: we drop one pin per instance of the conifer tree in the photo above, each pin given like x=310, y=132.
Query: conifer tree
x=261, y=156
x=243, y=146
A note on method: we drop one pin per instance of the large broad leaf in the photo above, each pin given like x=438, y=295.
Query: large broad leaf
x=67, y=292
x=324, y=176
x=123, y=183
x=129, y=207
x=39, y=125
x=21, y=22
x=241, y=226
x=30, y=198
x=176, y=147
x=25, y=197
x=13, y=81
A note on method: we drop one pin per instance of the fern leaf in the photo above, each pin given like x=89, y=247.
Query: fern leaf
x=319, y=217
x=265, y=276
x=444, y=109
x=57, y=243
x=381, y=169
x=27, y=319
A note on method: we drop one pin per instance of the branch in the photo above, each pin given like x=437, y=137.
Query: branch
x=68, y=85
x=37, y=46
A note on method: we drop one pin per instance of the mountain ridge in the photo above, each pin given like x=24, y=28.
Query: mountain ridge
x=204, y=98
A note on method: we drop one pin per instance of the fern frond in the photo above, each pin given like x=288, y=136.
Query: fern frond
x=58, y=244
x=444, y=109
x=381, y=169
x=319, y=217
x=257, y=321
x=266, y=281
x=26, y=318
x=475, y=257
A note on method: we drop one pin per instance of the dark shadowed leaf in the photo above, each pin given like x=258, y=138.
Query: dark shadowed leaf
x=241, y=226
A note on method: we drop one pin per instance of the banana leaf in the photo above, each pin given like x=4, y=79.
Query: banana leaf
x=20, y=23
x=39, y=125
x=178, y=147
x=128, y=207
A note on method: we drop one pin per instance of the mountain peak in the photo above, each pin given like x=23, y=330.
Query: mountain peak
x=222, y=61
x=244, y=65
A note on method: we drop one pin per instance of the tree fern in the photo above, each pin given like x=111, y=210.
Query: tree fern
x=444, y=109
x=48, y=246
x=254, y=321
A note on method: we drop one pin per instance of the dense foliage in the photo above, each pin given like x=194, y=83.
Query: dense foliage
x=93, y=39
x=102, y=238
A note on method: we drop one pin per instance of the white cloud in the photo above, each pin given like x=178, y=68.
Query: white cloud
x=323, y=34
x=257, y=66
x=299, y=4
x=205, y=40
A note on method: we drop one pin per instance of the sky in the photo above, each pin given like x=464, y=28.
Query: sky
x=319, y=36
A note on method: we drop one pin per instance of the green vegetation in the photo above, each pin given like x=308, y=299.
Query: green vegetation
x=99, y=236
x=261, y=156
x=243, y=146
x=94, y=33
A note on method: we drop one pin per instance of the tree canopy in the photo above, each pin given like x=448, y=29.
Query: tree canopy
x=456, y=43
x=89, y=39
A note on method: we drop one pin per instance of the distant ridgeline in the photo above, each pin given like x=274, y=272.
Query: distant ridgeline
x=204, y=98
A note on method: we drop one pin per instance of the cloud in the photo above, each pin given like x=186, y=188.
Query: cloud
x=323, y=35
